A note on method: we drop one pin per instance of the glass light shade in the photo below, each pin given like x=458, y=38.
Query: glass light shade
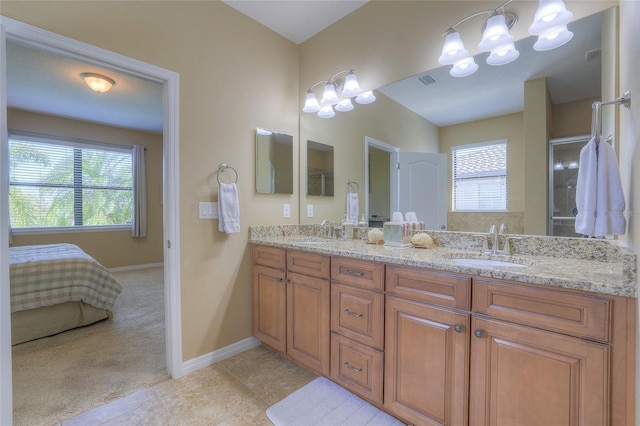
x=550, y=14
x=97, y=83
x=573, y=164
x=453, y=49
x=326, y=112
x=311, y=103
x=329, y=96
x=559, y=165
x=464, y=68
x=351, y=86
x=344, y=105
x=503, y=55
x=495, y=35
x=552, y=39
x=366, y=98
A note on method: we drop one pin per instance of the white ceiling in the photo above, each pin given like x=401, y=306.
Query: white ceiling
x=137, y=104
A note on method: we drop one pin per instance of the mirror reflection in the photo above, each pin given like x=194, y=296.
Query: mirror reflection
x=548, y=98
x=319, y=169
x=274, y=162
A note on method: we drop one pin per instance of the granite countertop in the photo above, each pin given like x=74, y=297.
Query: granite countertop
x=610, y=275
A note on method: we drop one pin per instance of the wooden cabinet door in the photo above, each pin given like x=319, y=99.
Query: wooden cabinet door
x=426, y=374
x=308, y=321
x=524, y=376
x=269, y=307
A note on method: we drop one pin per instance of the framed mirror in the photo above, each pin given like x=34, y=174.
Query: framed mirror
x=319, y=169
x=274, y=162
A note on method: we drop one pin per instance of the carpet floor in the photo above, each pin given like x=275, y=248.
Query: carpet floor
x=59, y=377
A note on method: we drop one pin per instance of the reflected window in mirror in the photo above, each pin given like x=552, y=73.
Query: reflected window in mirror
x=274, y=162
x=319, y=169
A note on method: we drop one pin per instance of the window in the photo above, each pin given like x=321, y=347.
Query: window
x=62, y=183
x=480, y=176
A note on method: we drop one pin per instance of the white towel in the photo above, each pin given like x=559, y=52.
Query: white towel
x=610, y=204
x=586, y=189
x=352, y=207
x=228, y=208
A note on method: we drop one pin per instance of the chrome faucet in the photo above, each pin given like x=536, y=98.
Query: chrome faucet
x=327, y=228
x=494, y=233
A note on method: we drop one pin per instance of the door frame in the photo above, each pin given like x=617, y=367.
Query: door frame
x=393, y=184
x=16, y=30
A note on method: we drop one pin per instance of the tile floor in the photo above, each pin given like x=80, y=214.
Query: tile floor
x=235, y=391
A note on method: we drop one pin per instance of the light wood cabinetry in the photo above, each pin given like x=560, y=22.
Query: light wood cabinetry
x=291, y=298
x=427, y=346
x=357, y=326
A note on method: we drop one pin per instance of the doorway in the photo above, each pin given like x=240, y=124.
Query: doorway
x=381, y=181
x=36, y=37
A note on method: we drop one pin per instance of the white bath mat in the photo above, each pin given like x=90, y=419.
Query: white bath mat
x=323, y=403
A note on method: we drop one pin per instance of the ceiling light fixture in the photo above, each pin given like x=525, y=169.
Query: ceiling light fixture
x=550, y=25
x=97, y=82
x=338, y=92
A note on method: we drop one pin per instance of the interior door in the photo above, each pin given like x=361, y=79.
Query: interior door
x=423, y=187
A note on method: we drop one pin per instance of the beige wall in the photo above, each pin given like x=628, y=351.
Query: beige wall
x=510, y=127
x=235, y=76
x=110, y=248
x=572, y=118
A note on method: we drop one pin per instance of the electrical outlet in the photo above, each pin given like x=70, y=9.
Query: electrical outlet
x=309, y=210
x=286, y=211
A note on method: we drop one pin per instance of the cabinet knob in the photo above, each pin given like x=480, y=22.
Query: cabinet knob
x=459, y=328
x=279, y=280
x=479, y=333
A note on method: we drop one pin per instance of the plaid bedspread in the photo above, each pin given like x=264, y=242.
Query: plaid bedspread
x=46, y=275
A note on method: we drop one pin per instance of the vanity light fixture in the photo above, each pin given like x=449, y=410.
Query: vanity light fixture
x=97, y=82
x=573, y=164
x=559, y=165
x=337, y=93
x=550, y=25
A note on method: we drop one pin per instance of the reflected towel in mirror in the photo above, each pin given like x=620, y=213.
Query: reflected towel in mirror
x=352, y=207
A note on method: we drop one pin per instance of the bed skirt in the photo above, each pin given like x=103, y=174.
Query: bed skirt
x=49, y=320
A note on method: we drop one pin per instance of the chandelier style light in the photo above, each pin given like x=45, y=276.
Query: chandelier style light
x=549, y=24
x=97, y=82
x=337, y=94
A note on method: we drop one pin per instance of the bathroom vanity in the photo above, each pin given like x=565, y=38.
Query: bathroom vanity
x=437, y=342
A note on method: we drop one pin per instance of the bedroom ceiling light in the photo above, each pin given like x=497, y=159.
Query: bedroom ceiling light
x=97, y=82
x=549, y=25
x=339, y=92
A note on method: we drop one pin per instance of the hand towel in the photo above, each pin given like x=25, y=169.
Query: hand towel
x=352, y=207
x=586, y=189
x=228, y=208
x=610, y=204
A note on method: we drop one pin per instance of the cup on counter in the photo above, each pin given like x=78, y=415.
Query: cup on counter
x=397, y=217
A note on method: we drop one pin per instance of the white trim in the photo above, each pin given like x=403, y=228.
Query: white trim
x=219, y=354
x=29, y=34
x=394, y=195
x=135, y=267
x=6, y=386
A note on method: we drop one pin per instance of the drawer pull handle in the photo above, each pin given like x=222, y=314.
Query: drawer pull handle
x=353, y=314
x=354, y=273
x=459, y=328
x=351, y=367
x=478, y=333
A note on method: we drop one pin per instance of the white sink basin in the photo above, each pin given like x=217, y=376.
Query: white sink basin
x=486, y=263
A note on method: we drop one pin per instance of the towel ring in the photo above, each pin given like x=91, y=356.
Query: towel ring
x=350, y=184
x=223, y=167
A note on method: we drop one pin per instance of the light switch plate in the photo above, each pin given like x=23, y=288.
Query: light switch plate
x=207, y=210
x=286, y=211
x=309, y=210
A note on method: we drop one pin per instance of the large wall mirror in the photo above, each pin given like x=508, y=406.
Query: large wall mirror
x=274, y=162
x=319, y=169
x=433, y=111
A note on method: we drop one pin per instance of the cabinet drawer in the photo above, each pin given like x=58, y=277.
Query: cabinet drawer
x=360, y=273
x=312, y=264
x=579, y=315
x=423, y=285
x=272, y=257
x=358, y=314
x=357, y=367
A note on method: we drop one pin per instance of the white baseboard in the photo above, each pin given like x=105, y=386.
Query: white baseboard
x=218, y=355
x=133, y=267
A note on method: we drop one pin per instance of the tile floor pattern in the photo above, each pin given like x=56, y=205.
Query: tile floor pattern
x=235, y=391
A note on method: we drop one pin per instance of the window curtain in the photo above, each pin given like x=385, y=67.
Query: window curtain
x=139, y=228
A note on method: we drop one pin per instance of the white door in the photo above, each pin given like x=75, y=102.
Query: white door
x=423, y=187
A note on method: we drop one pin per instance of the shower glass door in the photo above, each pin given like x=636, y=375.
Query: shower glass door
x=564, y=163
